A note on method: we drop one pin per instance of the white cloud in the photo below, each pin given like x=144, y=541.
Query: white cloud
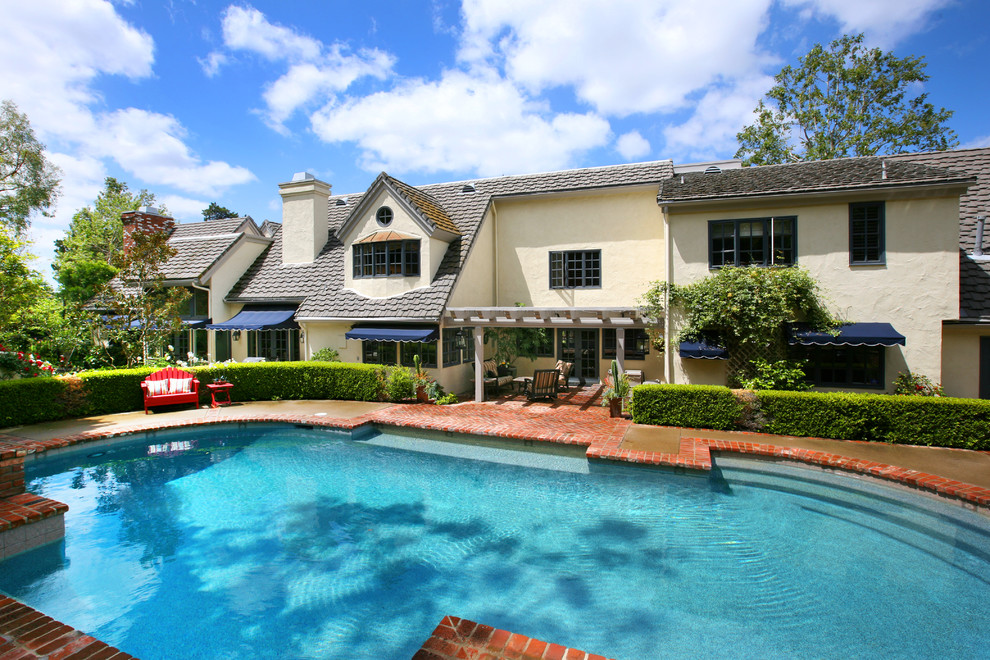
x=316, y=71
x=885, y=22
x=459, y=123
x=307, y=81
x=710, y=132
x=620, y=57
x=248, y=29
x=150, y=146
x=632, y=145
x=977, y=143
x=183, y=209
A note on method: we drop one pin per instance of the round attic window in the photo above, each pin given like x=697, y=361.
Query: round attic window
x=384, y=216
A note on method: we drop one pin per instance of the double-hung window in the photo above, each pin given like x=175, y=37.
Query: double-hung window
x=752, y=242
x=636, y=340
x=866, y=233
x=576, y=269
x=386, y=259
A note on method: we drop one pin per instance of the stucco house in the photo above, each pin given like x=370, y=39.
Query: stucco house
x=398, y=270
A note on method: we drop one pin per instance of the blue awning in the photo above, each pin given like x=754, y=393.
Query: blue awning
x=850, y=334
x=187, y=324
x=406, y=334
x=702, y=351
x=259, y=318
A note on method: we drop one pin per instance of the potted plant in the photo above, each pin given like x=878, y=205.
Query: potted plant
x=616, y=390
x=422, y=380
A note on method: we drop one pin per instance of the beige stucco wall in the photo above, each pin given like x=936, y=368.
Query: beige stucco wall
x=625, y=226
x=431, y=251
x=476, y=284
x=961, y=359
x=914, y=291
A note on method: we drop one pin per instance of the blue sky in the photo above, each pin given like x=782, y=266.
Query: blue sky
x=201, y=101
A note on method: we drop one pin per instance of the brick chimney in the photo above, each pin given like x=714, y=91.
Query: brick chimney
x=305, y=227
x=146, y=219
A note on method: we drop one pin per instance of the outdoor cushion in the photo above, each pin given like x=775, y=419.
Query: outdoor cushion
x=179, y=385
x=157, y=387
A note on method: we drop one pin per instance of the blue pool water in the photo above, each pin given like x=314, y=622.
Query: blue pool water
x=267, y=541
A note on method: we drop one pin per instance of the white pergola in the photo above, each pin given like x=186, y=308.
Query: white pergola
x=617, y=318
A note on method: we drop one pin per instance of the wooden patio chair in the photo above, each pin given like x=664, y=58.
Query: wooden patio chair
x=543, y=385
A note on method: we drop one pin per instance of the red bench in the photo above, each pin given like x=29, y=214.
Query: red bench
x=168, y=386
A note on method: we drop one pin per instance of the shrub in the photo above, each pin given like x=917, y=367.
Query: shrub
x=397, y=384
x=780, y=375
x=942, y=421
x=272, y=381
x=112, y=391
x=326, y=355
x=693, y=406
x=32, y=400
x=446, y=399
x=910, y=384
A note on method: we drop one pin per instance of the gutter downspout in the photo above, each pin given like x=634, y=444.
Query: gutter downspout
x=668, y=359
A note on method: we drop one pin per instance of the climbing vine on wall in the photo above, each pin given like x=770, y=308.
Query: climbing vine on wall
x=745, y=310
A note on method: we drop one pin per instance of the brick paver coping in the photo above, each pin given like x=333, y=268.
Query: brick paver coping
x=457, y=638
x=27, y=634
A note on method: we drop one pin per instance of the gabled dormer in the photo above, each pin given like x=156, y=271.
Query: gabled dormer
x=394, y=239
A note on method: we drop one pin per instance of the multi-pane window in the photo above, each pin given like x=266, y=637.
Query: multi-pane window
x=197, y=305
x=427, y=354
x=468, y=344
x=451, y=354
x=845, y=366
x=637, y=342
x=576, y=269
x=866, y=233
x=379, y=352
x=752, y=242
x=386, y=259
x=274, y=345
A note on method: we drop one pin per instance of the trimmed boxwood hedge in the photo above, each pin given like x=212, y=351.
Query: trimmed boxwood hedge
x=910, y=420
x=933, y=421
x=694, y=406
x=31, y=400
x=34, y=400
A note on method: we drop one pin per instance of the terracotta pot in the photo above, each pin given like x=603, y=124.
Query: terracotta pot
x=615, y=408
x=421, y=395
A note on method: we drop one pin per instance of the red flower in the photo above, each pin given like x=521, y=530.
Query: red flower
x=20, y=355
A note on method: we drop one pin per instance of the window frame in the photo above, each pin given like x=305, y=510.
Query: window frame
x=369, y=347
x=769, y=224
x=632, y=352
x=857, y=357
x=880, y=234
x=450, y=355
x=427, y=349
x=588, y=262
x=384, y=216
x=376, y=259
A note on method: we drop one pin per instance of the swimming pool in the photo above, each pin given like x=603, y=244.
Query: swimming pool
x=258, y=541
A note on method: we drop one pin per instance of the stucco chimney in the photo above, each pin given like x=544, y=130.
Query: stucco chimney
x=146, y=219
x=305, y=228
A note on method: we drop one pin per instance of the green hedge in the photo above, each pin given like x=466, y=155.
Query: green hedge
x=272, y=381
x=693, y=406
x=910, y=420
x=932, y=421
x=31, y=400
x=34, y=400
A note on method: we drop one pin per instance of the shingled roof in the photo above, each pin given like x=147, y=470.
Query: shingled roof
x=320, y=285
x=199, y=245
x=846, y=174
x=974, y=276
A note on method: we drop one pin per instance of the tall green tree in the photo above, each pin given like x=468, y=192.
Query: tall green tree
x=29, y=182
x=216, y=212
x=140, y=313
x=19, y=285
x=845, y=100
x=83, y=257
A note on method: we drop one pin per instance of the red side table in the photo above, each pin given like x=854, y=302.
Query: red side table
x=219, y=394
